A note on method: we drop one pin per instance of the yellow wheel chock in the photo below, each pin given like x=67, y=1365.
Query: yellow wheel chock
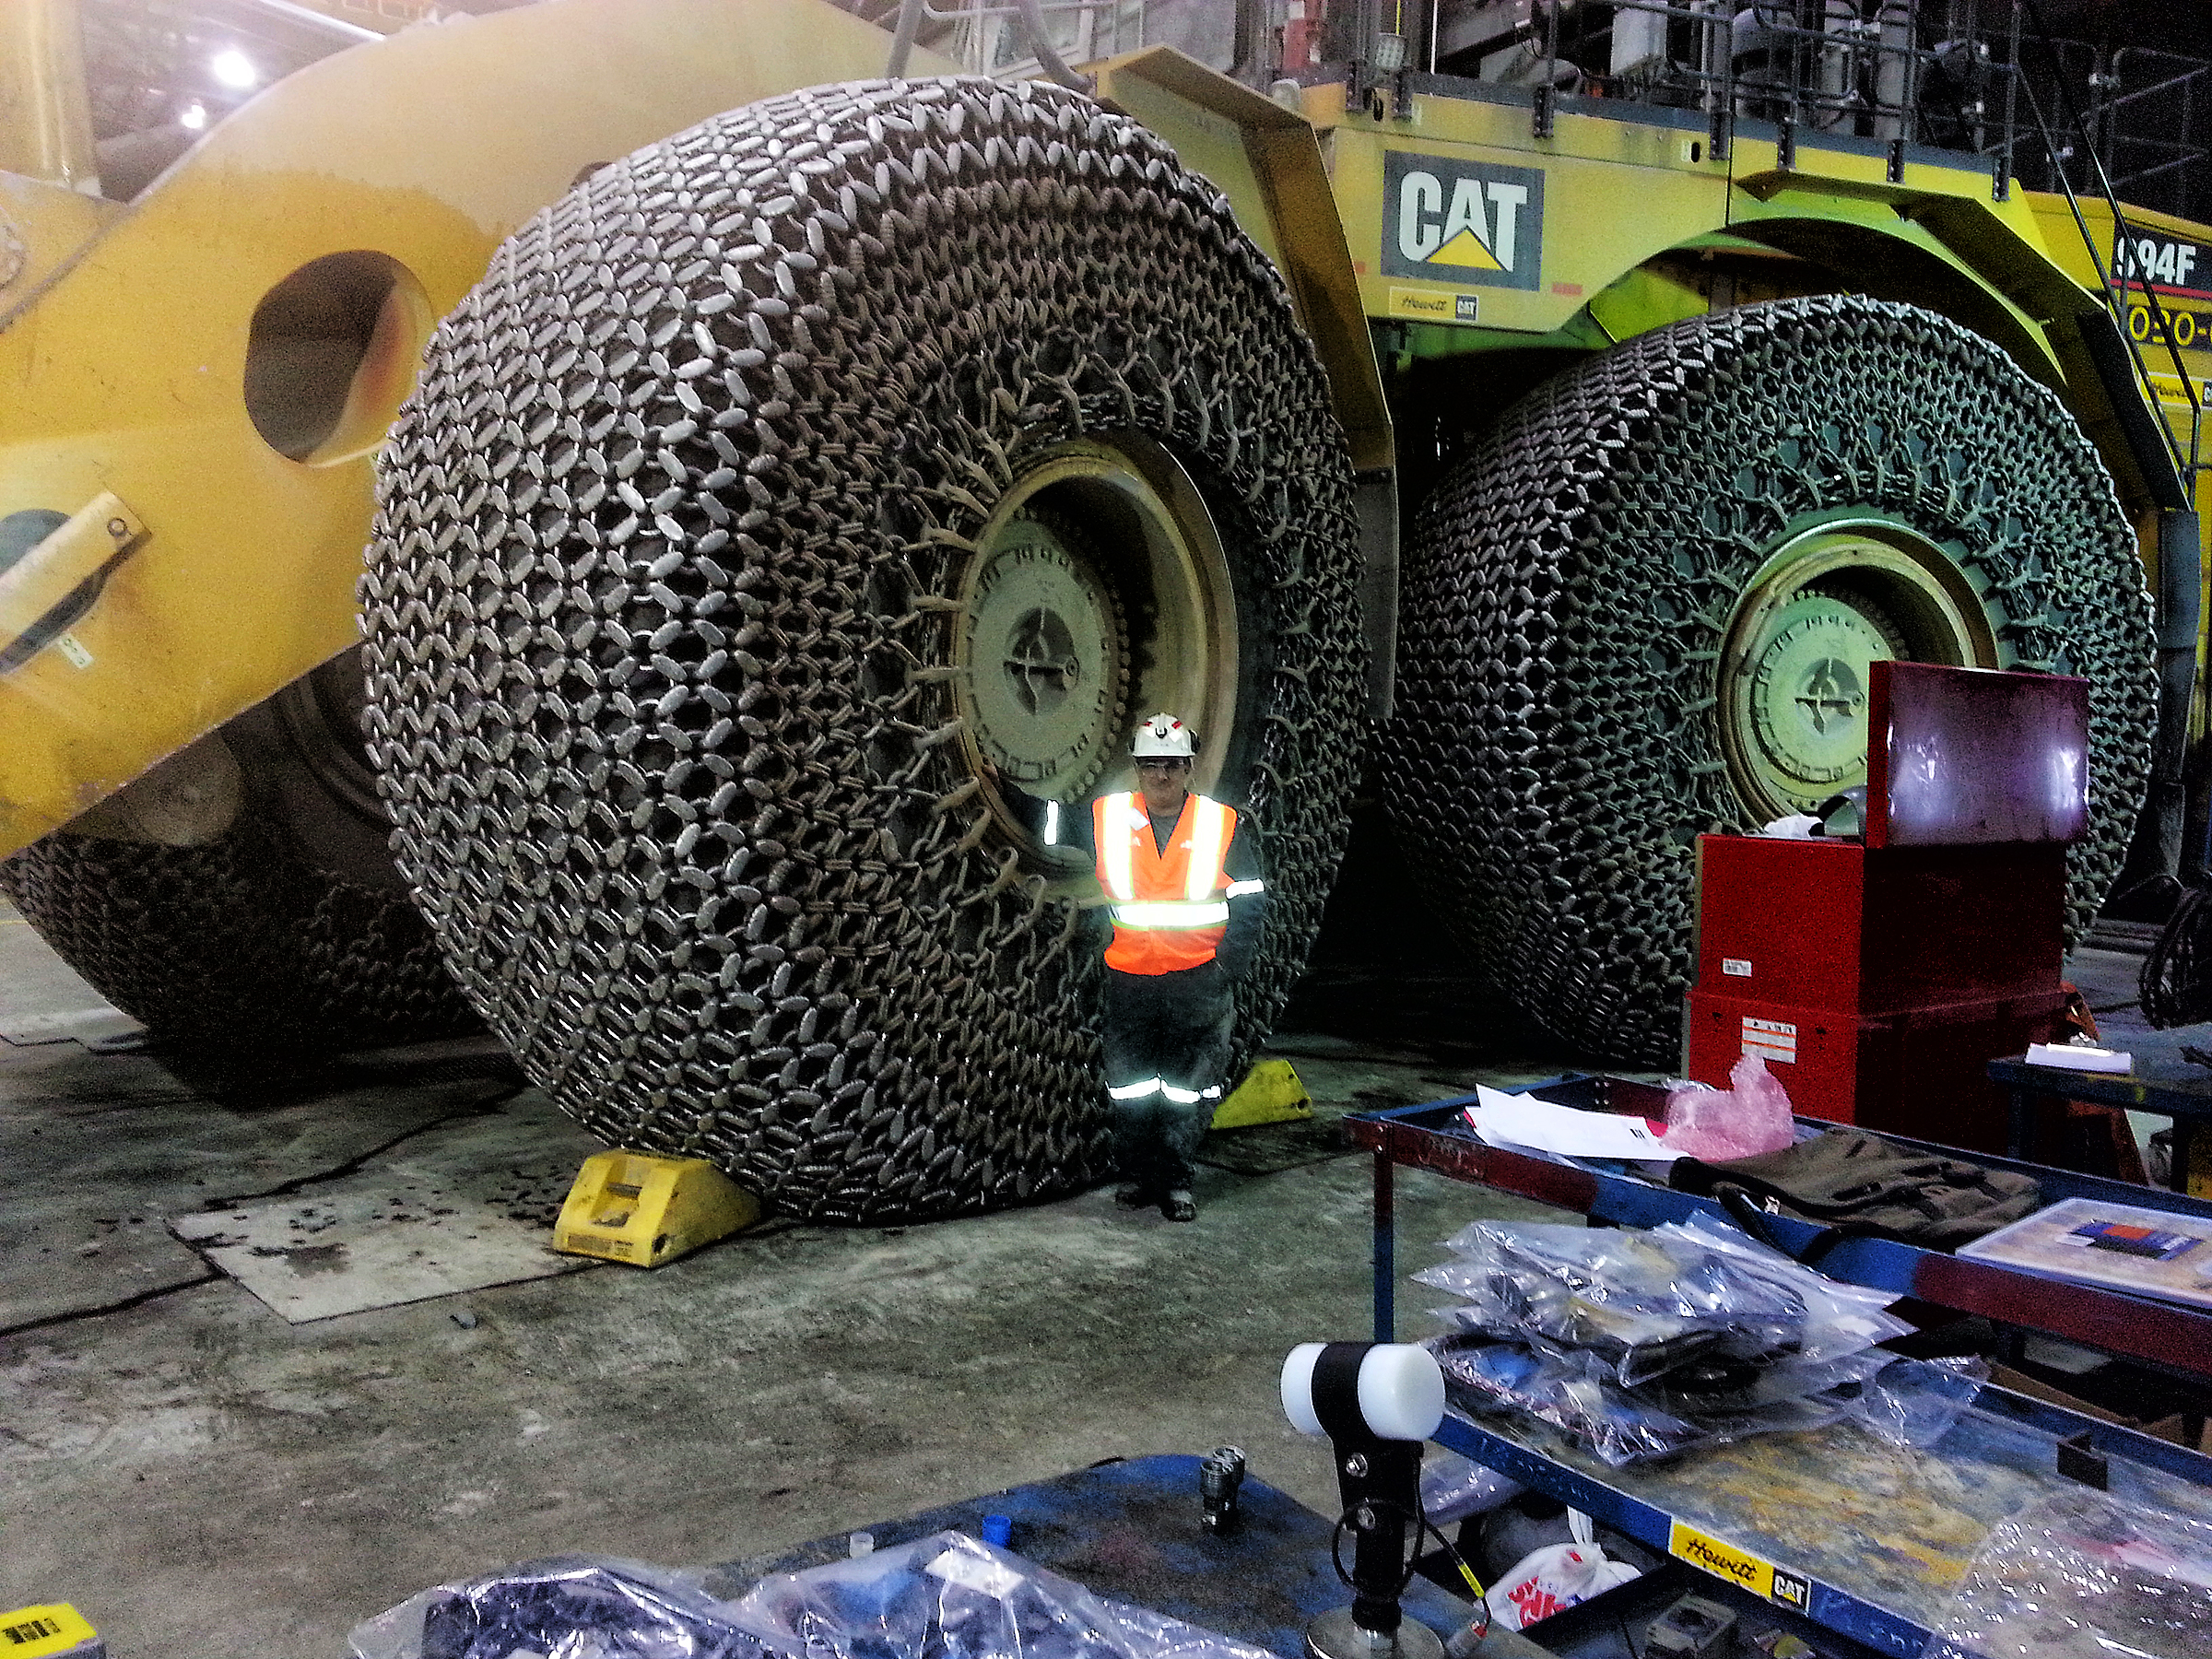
x=1270, y=1093
x=56, y=1630
x=643, y=1209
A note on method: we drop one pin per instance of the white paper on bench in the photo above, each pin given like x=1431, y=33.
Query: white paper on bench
x=1509, y=1120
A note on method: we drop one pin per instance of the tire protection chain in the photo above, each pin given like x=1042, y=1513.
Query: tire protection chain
x=661, y=594
x=1569, y=583
x=237, y=944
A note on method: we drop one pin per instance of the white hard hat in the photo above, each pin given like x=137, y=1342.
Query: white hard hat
x=1162, y=737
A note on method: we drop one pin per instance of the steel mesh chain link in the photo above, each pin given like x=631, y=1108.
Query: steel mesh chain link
x=662, y=596
x=239, y=942
x=1569, y=585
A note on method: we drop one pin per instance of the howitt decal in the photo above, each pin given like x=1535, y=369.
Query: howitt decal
x=1467, y=222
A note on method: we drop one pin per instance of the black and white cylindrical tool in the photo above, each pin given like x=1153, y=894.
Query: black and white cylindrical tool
x=1377, y=1402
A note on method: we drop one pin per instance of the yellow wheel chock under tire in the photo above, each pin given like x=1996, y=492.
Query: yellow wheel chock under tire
x=644, y=1209
x=1270, y=1093
x=55, y=1630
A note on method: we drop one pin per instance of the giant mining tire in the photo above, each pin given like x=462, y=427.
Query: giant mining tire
x=287, y=936
x=1644, y=607
x=779, y=496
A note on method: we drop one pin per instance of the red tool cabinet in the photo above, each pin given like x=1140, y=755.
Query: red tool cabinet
x=1878, y=979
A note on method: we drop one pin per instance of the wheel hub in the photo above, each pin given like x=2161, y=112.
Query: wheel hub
x=1042, y=646
x=1827, y=604
x=1808, y=700
x=1099, y=587
x=1043, y=667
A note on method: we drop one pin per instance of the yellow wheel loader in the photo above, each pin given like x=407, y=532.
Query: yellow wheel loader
x=588, y=517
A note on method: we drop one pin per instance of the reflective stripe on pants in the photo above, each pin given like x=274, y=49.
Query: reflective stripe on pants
x=1166, y=1040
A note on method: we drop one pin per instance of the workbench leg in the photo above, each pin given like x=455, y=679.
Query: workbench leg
x=2179, y=1135
x=2021, y=1143
x=1386, y=1249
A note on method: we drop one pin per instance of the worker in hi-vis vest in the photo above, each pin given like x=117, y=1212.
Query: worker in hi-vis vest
x=1184, y=894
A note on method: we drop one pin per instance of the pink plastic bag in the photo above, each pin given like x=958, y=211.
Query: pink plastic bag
x=1751, y=1116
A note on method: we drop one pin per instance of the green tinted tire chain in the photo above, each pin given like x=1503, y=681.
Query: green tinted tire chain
x=662, y=595
x=1569, y=583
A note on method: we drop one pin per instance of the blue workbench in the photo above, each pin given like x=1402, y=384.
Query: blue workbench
x=1870, y=1540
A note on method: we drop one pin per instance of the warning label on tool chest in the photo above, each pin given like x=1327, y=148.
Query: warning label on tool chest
x=1770, y=1039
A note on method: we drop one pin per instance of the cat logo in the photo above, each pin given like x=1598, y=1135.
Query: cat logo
x=1462, y=221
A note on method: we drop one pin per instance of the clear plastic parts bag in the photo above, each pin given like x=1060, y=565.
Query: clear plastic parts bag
x=1578, y=1394
x=567, y=1607
x=947, y=1597
x=2085, y=1576
x=1915, y=1402
x=1902, y=1401
x=1840, y=1319
x=1643, y=1344
x=1453, y=1487
x=1697, y=1302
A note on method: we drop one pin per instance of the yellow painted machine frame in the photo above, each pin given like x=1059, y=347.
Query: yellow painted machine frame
x=124, y=342
x=1622, y=190
x=1623, y=193
x=129, y=346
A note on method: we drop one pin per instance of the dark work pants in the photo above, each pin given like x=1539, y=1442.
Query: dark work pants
x=1173, y=1029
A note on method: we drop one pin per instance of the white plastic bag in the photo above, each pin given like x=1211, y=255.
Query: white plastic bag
x=1553, y=1577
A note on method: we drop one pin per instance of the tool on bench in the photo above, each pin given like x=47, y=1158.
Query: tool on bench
x=1377, y=1402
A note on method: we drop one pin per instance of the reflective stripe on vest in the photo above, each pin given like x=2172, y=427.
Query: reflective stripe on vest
x=1171, y=910
x=1173, y=914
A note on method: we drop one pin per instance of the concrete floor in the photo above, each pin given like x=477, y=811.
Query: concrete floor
x=200, y=1477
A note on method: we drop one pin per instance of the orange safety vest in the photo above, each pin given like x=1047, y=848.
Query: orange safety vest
x=1170, y=910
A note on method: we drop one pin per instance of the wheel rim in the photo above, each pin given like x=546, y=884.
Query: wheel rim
x=1098, y=582
x=1794, y=674
x=320, y=714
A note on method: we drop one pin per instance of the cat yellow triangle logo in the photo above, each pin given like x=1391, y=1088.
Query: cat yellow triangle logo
x=1466, y=251
x=1457, y=220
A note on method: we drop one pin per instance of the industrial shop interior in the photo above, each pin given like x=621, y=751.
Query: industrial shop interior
x=1105, y=829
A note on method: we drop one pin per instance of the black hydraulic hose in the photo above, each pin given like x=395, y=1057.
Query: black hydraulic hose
x=1033, y=23
x=2185, y=465
x=2179, y=767
x=902, y=38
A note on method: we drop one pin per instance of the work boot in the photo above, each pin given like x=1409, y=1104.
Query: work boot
x=1179, y=1205
x=1136, y=1196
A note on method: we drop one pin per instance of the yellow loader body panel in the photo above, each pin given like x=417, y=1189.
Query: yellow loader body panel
x=123, y=365
x=2172, y=258
x=1461, y=222
x=1459, y=218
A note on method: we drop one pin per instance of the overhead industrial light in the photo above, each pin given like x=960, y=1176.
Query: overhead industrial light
x=193, y=118
x=234, y=68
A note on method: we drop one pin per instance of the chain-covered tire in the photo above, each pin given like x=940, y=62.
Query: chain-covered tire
x=243, y=947
x=1644, y=607
x=780, y=494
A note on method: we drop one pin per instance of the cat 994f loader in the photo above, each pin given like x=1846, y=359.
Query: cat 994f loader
x=773, y=429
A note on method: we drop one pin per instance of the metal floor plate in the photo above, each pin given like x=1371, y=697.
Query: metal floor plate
x=461, y=1207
